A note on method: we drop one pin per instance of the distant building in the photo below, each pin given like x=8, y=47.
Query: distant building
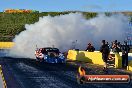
x=20, y=11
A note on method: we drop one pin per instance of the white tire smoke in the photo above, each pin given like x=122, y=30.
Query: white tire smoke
x=62, y=30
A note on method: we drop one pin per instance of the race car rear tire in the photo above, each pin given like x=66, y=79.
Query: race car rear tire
x=81, y=80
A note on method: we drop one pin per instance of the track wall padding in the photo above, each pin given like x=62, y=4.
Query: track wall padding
x=129, y=67
x=92, y=57
x=6, y=45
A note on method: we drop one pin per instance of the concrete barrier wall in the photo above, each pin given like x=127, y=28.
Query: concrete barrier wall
x=6, y=45
x=92, y=57
x=129, y=65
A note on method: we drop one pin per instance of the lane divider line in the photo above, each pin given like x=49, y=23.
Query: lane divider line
x=3, y=79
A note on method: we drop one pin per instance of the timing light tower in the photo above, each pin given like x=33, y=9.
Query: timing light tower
x=129, y=33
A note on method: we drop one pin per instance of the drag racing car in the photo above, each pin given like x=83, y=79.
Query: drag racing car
x=49, y=55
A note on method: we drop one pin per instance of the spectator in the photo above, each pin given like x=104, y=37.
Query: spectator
x=104, y=49
x=125, y=50
x=90, y=48
x=108, y=44
x=111, y=46
x=115, y=41
x=115, y=48
x=119, y=46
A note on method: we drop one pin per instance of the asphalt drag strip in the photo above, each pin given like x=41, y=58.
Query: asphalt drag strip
x=26, y=73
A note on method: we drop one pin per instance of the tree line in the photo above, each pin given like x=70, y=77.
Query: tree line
x=12, y=24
